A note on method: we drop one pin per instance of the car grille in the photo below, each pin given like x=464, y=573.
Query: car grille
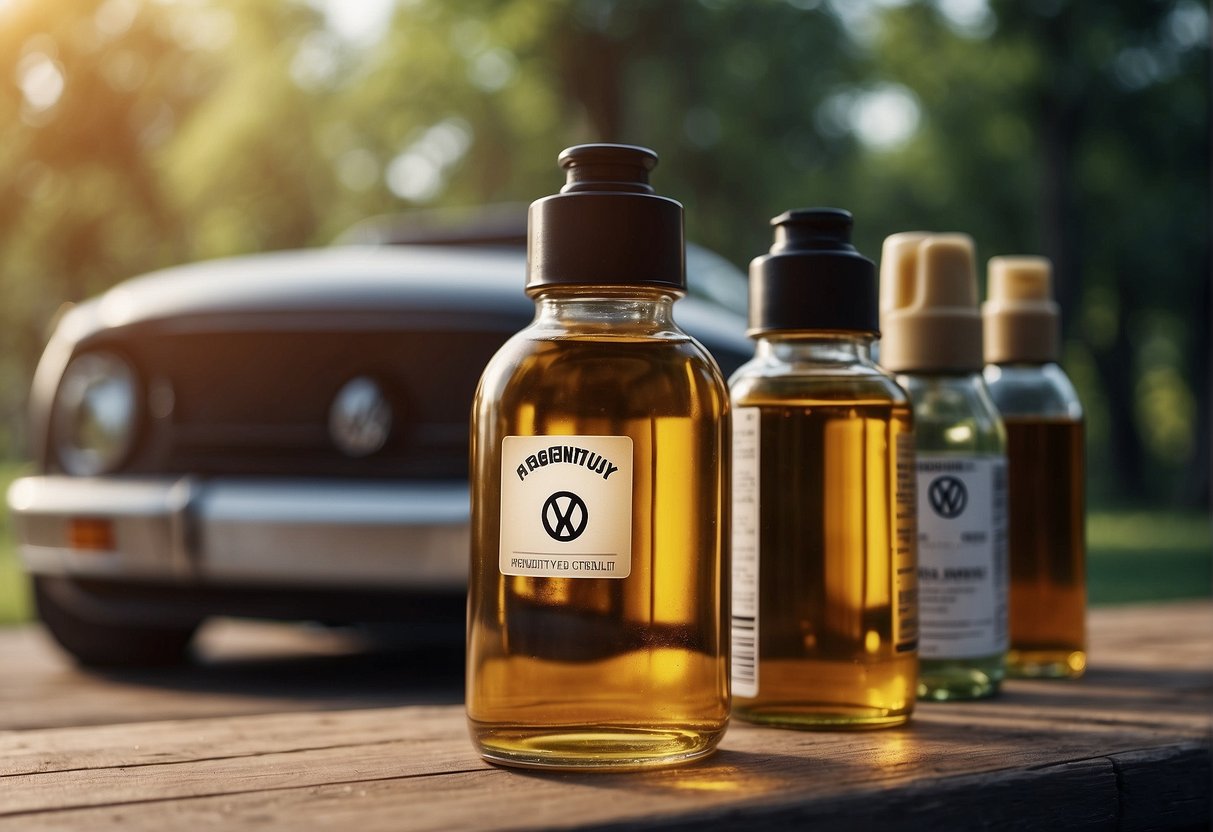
x=257, y=403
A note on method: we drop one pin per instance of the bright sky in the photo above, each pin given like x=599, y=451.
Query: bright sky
x=360, y=21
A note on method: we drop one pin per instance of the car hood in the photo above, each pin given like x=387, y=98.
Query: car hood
x=422, y=280
x=418, y=287
x=321, y=280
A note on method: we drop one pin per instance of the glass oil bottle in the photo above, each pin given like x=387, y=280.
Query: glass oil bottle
x=597, y=614
x=824, y=609
x=932, y=341
x=1045, y=470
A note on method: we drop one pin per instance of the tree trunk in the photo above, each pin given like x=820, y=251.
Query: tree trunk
x=593, y=67
x=1116, y=374
x=1195, y=491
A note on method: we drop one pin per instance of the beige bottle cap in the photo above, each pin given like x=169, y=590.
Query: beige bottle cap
x=928, y=304
x=1022, y=323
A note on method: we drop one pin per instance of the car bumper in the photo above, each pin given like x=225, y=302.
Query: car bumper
x=294, y=533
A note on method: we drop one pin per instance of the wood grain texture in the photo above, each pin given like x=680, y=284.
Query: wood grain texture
x=1127, y=747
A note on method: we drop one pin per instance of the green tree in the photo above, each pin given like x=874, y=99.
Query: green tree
x=93, y=94
x=246, y=169
x=1079, y=130
x=726, y=91
x=141, y=135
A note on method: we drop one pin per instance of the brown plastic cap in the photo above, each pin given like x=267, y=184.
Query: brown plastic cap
x=928, y=309
x=1022, y=323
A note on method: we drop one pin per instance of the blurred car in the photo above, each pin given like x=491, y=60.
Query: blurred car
x=281, y=435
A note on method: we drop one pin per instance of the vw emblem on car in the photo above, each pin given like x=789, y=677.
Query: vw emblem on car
x=360, y=418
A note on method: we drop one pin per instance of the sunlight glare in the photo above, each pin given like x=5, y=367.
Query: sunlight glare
x=41, y=80
x=357, y=21
x=114, y=17
x=886, y=117
x=418, y=174
x=972, y=18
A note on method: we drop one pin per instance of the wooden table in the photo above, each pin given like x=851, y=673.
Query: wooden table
x=1127, y=747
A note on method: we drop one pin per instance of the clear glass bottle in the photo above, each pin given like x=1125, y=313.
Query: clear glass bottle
x=932, y=340
x=824, y=609
x=597, y=619
x=1045, y=473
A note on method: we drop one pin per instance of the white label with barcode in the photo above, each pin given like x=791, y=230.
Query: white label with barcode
x=962, y=556
x=905, y=565
x=745, y=551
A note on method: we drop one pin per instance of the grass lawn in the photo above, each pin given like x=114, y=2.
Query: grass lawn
x=14, y=586
x=1148, y=556
x=1133, y=556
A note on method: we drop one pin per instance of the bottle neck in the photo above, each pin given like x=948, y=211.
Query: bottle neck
x=956, y=380
x=841, y=348
x=1021, y=366
x=620, y=311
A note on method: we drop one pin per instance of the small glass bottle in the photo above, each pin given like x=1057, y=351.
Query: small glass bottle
x=597, y=615
x=932, y=340
x=824, y=610
x=1045, y=470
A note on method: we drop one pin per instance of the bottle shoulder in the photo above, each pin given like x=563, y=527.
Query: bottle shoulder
x=1033, y=390
x=762, y=381
x=625, y=376
x=954, y=414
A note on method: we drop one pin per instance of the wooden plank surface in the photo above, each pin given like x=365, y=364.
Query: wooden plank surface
x=1128, y=746
x=244, y=668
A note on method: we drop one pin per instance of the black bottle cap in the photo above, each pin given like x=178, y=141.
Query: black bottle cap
x=813, y=278
x=606, y=226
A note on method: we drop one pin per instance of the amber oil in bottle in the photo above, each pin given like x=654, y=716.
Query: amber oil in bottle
x=824, y=608
x=932, y=340
x=1045, y=472
x=597, y=615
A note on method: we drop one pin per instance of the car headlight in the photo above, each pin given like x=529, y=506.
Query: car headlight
x=95, y=412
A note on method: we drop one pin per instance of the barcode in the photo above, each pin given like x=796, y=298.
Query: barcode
x=998, y=525
x=745, y=655
x=905, y=619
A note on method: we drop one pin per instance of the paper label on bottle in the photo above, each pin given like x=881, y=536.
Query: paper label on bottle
x=962, y=556
x=566, y=506
x=746, y=442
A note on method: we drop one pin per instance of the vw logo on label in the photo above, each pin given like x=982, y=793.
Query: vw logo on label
x=565, y=516
x=360, y=418
x=948, y=497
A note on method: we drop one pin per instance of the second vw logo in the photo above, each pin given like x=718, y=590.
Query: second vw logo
x=948, y=497
x=565, y=516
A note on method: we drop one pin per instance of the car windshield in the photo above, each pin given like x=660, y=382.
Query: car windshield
x=714, y=278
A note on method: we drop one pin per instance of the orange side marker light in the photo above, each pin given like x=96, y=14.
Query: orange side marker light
x=90, y=534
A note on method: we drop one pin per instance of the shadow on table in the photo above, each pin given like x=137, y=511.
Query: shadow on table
x=312, y=664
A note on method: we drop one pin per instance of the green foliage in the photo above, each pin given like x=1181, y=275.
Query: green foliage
x=142, y=133
x=244, y=168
